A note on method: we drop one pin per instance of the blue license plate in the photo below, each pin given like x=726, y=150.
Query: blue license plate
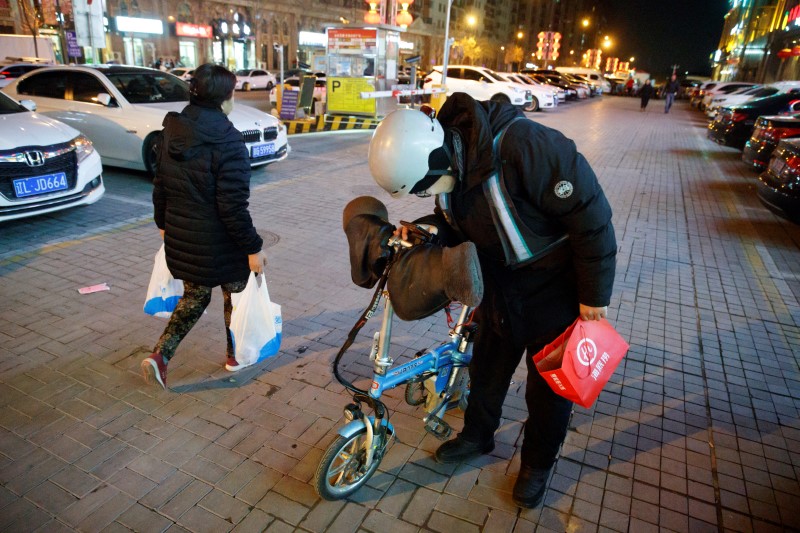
x=260, y=150
x=40, y=185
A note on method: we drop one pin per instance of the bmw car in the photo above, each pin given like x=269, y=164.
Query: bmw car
x=45, y=165
x=121, y=109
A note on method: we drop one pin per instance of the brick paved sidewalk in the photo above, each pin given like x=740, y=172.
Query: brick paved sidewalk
x=698, y=431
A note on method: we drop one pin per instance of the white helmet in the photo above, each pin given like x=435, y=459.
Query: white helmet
x=400, y=148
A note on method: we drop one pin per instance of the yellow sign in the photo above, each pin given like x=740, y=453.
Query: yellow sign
x=344, y=96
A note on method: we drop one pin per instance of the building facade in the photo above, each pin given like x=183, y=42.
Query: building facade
x=243, y=33
x=760, y=42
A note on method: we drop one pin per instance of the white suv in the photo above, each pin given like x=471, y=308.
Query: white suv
x=480, y=83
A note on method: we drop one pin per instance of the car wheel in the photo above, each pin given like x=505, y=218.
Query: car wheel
x=150, y=148
x=270, y=85
x=501, y=99
x=246, y=86
x=533, y=106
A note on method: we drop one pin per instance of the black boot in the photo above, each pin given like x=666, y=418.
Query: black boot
x=459, y=449
x=530, y=486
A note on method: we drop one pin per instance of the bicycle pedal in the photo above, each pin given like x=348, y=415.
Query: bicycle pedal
x=438, y=428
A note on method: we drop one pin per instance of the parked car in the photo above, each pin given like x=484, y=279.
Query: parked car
x=121, y=108
x=733, y=125
x=480, y=83
x=779, y=185
x=554, y=77
x=45, y=165
x=768, y=132
x=541, y=97
x=293, y=84
x=722, y=88
x=569, y=91
x=11, y=71
x=249, y=79
x=697, y=94
x=560, y=94
x=591, y=75
x=758, y=91
x=183, y=73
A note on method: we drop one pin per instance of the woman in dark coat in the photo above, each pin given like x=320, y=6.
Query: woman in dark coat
x=200, y=200
x=646, y=92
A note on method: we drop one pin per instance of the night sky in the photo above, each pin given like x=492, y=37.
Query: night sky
x=660, y=34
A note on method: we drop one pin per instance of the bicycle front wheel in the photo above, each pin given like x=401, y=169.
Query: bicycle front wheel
x=342, y=470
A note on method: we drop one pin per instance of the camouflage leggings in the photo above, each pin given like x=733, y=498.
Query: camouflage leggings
x=189, y=310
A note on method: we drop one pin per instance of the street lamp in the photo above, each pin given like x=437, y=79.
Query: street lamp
x=584, y=24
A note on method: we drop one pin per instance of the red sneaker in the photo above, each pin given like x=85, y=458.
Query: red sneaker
x=154, y=370
x=232, y=365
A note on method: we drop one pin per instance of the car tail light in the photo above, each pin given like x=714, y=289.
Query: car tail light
x=786, y=132
x=738, y=116
x=428, y=80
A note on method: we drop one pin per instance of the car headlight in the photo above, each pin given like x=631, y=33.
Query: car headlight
x=83, y=147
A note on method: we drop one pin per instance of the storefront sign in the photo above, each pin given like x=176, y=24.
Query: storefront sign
x=344, y=96
x=352, y=41
x=139, y=25
x=309, y=38
x=183, y=29
x=794, y=16
x=73, y=50
x=289, y=104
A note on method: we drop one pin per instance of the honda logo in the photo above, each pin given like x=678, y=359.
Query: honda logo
x=34, y=158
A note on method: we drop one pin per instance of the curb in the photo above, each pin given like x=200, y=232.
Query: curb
x=330, y=123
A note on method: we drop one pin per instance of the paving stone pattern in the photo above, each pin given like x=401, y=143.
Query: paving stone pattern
x=698, y=429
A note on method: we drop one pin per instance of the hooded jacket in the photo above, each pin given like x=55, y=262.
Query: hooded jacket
x=555, y=192
x=200, y=197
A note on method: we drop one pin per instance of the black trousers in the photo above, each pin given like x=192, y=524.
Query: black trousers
x=494, y=360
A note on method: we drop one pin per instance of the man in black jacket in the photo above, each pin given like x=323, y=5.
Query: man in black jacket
x=542, y=227
x=200, y=200
x=671, y=90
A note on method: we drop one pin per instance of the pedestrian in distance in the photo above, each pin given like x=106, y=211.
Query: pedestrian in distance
x=629, y=86
x=646, y=92
x=200, y=199
x=551, y=260
x=671, y=90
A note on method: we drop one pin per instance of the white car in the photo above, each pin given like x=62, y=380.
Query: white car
x=292, y=83
x=719, y=89
x=749, y=93
x=542, y=97
x=480, y=83
x=249, y=79
x=45, y=165
x=121, y=109
x=560, y=93
x=183, y=73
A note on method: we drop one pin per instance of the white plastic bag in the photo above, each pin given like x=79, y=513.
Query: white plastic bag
x=164, y=291
x=255, y=322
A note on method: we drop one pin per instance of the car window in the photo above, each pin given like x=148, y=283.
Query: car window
x=454, y=73
x=148, y=87
x=50, y=84
x=85, y=87
x=259, y=73
x=474, y=75
x=7, y=105
x=242, y=72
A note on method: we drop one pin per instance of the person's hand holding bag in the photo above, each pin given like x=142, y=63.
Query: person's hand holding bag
x=592, y=313
x=258, y=262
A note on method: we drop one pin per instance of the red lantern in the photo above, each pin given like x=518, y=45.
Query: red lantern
x=783, y=54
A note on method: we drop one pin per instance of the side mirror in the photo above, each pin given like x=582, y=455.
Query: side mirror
x=104, y=99
x=30, y=105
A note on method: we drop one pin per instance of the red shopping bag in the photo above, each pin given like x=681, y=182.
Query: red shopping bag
x=578, y=364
